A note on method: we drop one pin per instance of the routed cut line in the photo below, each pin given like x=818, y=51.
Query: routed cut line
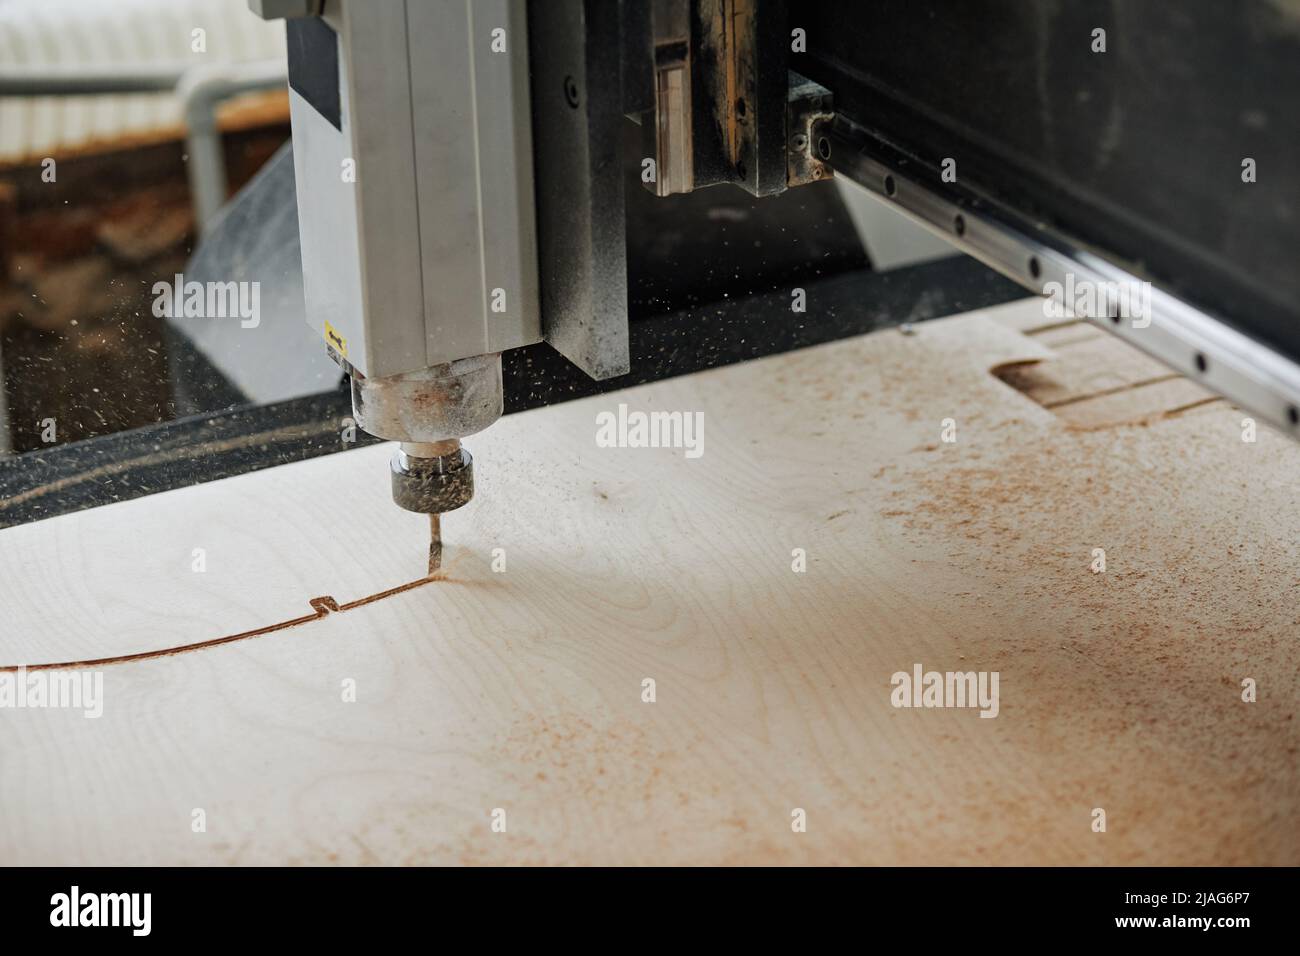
x=321, y=606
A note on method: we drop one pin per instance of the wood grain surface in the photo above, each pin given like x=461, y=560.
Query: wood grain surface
x=522, y=689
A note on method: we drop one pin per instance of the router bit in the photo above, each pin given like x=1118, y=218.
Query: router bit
x=428, y=412
x=435, y=542
x=432, y=478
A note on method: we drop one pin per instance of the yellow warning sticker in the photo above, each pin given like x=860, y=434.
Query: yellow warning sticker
x=337, y=342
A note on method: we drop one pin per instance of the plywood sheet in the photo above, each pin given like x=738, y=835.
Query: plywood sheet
x=521, y=689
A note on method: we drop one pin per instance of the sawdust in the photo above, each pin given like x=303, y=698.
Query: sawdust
x=1199, y=591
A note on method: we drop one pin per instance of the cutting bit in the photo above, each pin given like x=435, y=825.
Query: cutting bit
x=435, y=542
x=433, y=478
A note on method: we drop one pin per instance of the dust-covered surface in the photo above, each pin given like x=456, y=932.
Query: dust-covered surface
x=501, y=716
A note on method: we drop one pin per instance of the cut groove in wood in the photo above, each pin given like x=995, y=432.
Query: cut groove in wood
x=320, y=605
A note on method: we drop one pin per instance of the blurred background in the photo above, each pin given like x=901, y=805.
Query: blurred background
x=103, y=108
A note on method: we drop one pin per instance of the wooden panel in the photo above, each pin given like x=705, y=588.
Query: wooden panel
x=1095, y=380
x=522, y=689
